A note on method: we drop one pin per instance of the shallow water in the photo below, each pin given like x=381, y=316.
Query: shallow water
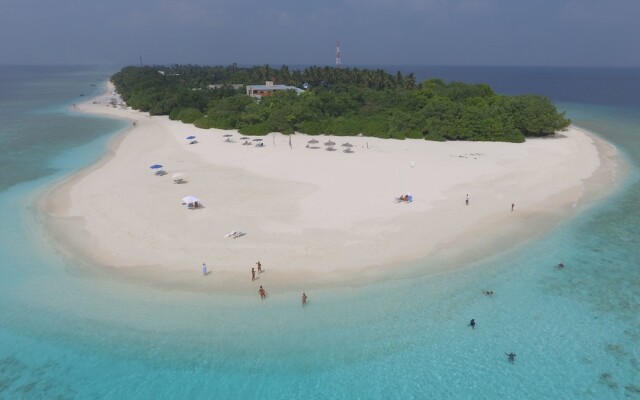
x=71, y=330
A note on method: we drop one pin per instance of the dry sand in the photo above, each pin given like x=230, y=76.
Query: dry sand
x=311, y=213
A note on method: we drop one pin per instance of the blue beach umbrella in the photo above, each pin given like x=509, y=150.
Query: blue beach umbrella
x=155, y=166
x=191, y=137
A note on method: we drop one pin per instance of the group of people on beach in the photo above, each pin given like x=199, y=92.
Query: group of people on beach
x=253, y=271
x=261, y=292
x=466, y=202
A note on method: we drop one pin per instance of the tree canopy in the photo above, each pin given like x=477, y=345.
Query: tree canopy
x=346, y=101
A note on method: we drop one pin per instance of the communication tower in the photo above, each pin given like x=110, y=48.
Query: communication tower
x=338, y=59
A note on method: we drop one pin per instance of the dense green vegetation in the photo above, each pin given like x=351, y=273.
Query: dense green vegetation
x=337, y=101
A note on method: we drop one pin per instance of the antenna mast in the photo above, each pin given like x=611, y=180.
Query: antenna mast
x=338, y=59
x=141, y=61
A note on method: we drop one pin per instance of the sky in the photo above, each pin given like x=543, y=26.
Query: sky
x=304, y=32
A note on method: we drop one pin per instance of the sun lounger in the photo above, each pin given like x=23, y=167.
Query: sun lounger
x=161, y=172
x=234, y=234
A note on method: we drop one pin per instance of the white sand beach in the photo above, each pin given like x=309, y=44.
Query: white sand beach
x=309, y=212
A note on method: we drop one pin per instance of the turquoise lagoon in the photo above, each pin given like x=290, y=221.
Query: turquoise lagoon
x=70, y=330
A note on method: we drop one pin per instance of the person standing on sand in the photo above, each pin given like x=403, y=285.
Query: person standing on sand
x=204, y=269
x=253, y=274
x=512, y=206
x=259, y=267
x=304, y=299
x=262, y=293
x=466, y=201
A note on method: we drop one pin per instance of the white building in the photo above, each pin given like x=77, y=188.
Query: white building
x=268, y=89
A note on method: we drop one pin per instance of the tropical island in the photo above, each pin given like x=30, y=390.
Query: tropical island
x=341, y=102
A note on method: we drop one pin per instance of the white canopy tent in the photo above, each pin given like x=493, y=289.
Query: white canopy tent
x=178, y=178
x=191, y=202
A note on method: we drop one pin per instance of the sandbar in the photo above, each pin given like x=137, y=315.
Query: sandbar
x=311, y=214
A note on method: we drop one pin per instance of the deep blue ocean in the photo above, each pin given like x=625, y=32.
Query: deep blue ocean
x=69, y=330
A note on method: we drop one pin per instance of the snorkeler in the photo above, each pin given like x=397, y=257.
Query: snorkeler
x=511, y=357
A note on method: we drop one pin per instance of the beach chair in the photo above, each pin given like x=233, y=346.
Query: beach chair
x=161, y=172
x=234, y=234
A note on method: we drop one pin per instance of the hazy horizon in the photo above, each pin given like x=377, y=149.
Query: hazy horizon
x=593, y=33
x=301, y=66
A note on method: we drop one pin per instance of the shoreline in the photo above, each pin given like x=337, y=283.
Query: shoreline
x=326, y=240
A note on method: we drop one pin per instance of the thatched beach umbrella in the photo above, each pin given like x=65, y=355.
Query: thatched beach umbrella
x=347, y=147
x=257, y=140
x=313, y=141
x=330, y=143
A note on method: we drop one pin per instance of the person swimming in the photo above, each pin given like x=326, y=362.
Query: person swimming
x=472, y=324
x=560, y=266
x=511, y=357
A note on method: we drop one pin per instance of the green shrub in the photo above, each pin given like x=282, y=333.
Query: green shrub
x=186, y=115
x=260, y=129
x=435, y=136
